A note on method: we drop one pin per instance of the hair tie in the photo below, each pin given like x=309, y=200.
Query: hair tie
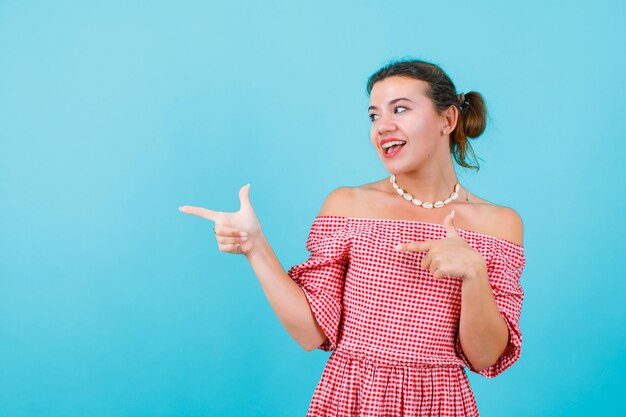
x=462, y=102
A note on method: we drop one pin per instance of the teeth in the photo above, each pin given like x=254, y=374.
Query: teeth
x=395, y=142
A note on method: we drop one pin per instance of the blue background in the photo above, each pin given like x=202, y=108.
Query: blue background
x=113, y=114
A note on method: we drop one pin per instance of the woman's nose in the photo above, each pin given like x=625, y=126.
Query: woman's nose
x=385, y=125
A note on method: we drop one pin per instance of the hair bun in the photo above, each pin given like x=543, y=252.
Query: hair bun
x=473, y=121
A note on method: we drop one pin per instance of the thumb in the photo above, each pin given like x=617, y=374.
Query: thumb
x=244, y=197
x=449, y=223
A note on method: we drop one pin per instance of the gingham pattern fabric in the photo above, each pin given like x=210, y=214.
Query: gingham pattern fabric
x=391, y=325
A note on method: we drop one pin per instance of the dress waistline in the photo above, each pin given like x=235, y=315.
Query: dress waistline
x=379, y=361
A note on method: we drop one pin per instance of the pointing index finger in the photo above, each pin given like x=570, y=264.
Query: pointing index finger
x=421, y=246
x=200, y=211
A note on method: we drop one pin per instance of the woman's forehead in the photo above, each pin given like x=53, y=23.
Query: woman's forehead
x=397, y=86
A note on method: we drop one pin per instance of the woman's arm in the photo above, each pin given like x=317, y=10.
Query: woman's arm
x=483, y=333
x=285, y=296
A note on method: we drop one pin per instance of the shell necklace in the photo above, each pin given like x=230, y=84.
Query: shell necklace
x=425, y=204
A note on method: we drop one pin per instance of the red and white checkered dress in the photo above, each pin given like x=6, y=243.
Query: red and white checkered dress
x=392, y=327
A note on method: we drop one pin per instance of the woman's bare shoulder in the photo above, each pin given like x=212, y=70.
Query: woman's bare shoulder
x=499, y=221
x=351, y=201
x=338, y=202
x=508, y=225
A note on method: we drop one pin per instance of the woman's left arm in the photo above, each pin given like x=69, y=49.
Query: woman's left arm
x=483, y=333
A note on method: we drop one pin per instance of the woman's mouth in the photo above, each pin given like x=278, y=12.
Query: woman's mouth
x=393, y=150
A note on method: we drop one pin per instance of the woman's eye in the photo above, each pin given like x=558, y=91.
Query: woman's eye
x=400, y=109
x=373, y=117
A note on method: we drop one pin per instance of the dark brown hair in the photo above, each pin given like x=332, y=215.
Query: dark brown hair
x=441, y=90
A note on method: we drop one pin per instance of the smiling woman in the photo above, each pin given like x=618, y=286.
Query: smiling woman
x=435, y=92
x=411, y=279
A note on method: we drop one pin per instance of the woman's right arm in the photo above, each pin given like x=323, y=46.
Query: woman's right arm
x=285, y=296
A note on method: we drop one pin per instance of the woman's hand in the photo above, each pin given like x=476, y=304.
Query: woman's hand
x=236, y=232
x=448, y=257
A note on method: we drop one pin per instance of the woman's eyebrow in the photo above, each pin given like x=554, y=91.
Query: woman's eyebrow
x=395, y=100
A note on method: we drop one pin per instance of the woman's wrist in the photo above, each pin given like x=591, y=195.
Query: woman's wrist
x=260, y=249
x=478, y=271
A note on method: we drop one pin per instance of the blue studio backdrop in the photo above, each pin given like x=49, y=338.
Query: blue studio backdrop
x=113, y=114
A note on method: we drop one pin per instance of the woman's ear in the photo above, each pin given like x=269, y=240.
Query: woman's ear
x=449, y=118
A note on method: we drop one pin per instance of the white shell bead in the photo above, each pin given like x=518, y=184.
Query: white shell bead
x=418, y=202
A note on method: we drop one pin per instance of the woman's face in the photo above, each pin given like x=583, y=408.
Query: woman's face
x=399, y=110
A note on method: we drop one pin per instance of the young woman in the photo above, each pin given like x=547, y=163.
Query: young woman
x=411, y=278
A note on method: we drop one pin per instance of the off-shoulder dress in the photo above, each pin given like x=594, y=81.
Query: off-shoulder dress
x=391, y=326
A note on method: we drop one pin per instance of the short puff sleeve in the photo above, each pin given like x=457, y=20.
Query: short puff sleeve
x=504, y=271
x=322, y=276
